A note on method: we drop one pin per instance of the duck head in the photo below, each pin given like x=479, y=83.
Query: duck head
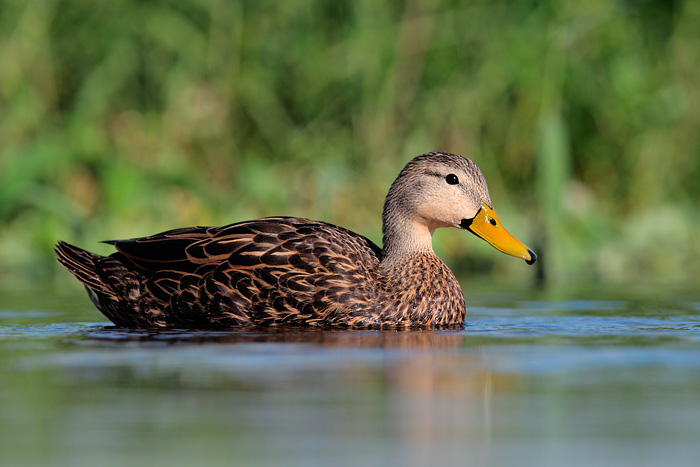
x=443, y=190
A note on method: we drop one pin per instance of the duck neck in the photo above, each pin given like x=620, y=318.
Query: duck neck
x=404, y=237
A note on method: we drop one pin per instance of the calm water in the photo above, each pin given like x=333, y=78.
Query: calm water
x=578, y=379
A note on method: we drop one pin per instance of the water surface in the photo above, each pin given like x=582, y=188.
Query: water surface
x=579, y=379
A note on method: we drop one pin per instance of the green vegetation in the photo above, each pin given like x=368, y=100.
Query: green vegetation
x=120, y=118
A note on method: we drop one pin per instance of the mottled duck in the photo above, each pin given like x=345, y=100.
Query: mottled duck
x=288, y=271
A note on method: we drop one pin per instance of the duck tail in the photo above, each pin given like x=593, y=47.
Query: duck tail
x=85, y=266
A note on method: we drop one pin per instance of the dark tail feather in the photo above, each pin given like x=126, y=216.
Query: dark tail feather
x=84, y=266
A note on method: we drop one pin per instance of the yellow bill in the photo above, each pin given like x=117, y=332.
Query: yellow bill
x=487, y=226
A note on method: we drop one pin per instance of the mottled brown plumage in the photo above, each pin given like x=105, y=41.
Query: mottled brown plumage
x=297, y=272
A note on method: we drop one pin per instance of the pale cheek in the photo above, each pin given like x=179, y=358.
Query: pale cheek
x=454, y=211
x=441, y=215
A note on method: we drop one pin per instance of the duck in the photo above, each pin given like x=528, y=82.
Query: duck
x=296, y=272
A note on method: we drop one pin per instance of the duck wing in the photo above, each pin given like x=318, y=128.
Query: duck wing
x=271, y=241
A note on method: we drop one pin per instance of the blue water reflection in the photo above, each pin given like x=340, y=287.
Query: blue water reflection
x=535, y=383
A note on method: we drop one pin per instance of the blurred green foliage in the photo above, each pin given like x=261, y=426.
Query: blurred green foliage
x=121, y=118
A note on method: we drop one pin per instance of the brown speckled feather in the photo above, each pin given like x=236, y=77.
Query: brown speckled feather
x=291, y=271
x=266, y=272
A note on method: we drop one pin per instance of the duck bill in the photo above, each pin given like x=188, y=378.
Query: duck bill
x=487, y=226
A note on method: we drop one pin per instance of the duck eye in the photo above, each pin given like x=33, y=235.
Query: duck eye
x=452, y=179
